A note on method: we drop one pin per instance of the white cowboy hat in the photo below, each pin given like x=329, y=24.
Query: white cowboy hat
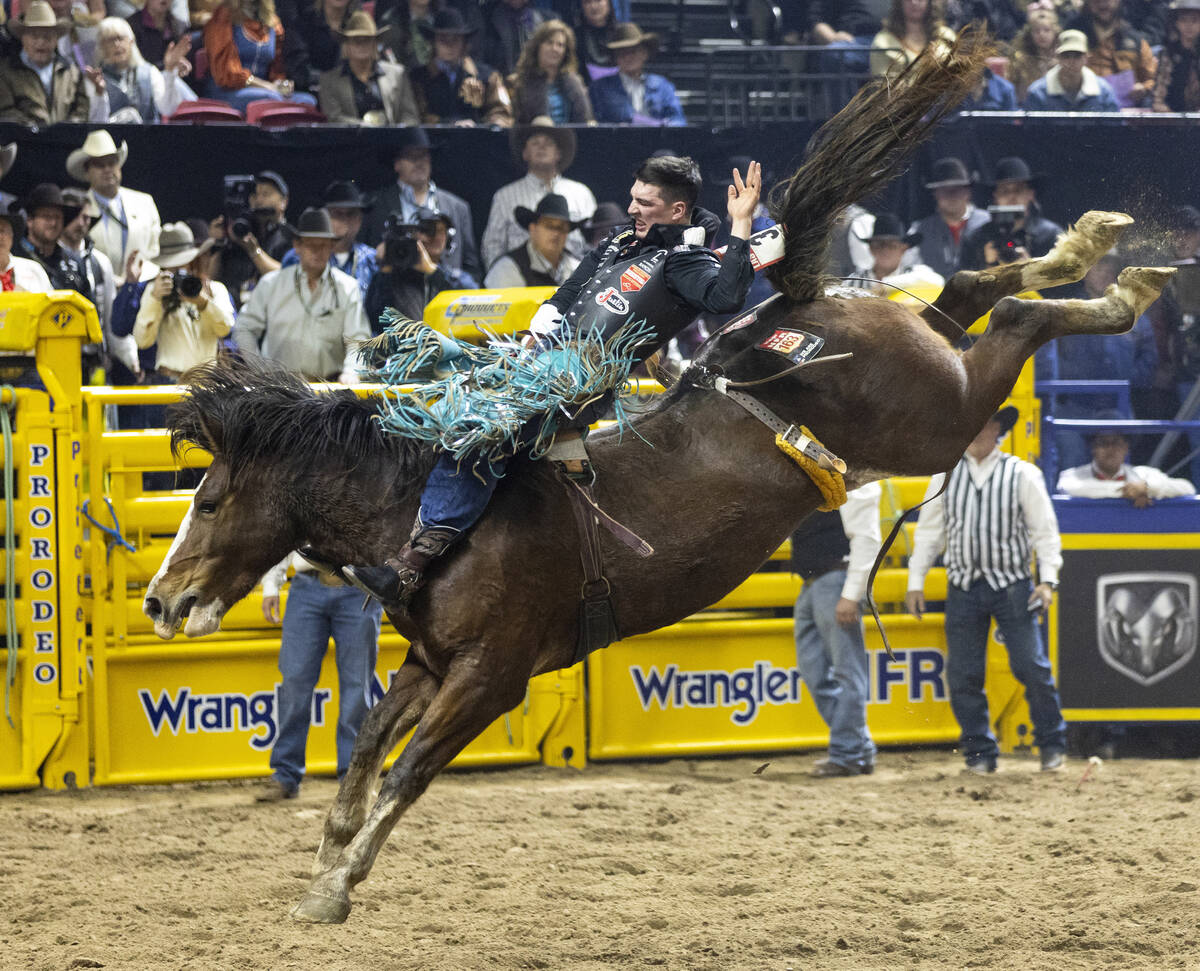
x=98, y=144
x=8, y=155
x=39, y=14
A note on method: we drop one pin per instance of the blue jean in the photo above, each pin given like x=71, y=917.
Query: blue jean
x=240, y=97
x=314, y=613
x=456, y=494
x=833, y=664
x=968, y=613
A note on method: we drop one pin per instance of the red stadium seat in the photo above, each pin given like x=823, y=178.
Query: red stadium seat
x=205, y=110
x=282, y=114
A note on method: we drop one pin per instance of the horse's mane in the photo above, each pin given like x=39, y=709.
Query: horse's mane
x=249, y=409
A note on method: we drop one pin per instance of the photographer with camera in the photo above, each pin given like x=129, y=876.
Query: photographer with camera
x=1017, y=230
x=183, y=314
x=410, y=271
x=251, y=234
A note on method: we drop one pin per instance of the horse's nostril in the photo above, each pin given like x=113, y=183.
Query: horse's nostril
x=153, y=607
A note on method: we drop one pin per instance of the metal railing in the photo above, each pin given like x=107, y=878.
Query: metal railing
x=750, y=84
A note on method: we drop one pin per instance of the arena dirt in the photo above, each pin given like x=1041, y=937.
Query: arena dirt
x=682, y=864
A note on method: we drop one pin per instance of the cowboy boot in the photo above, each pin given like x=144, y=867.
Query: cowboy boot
x=394, y=583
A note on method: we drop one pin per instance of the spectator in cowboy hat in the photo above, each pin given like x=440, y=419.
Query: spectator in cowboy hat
x=546, y=152
x=632, y=96
x=184, y=319
x=1070, y=85
x=46, y=212
x=414, y=189
x=542, y=261
x=453, y=88
x=38, y=86
x=362, y=89
x=346, y=206
x=307, y=316
x=889, y=244
x=8, y=155
x=1031, y=234
x=97, y=268
x=129, y=221
x=955, y=217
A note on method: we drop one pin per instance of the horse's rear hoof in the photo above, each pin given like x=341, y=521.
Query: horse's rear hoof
x=317, y=908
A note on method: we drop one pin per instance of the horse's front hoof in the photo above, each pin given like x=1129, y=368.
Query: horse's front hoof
x=317, y=908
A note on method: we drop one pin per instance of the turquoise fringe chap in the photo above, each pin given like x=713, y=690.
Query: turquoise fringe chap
x=483, y=402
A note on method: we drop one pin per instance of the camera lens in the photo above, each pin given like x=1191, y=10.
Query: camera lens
x=239, y=228
x=190, y=286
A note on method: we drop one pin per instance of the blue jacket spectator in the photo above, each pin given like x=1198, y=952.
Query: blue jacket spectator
x=1071, y=86
x=632, y=96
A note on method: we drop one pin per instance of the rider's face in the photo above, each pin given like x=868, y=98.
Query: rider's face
x=647, y=207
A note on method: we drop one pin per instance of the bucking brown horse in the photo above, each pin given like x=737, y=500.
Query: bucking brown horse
x=702, y=480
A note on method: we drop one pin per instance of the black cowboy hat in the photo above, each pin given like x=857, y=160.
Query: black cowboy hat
x=889, y=226
x=564, y=138
x=315, y=224
x=948, y=172
x=343, y=195
x=1014, y=169
x=448, y=20
x=551, y=204
x=1007, y=417
x=49, y=196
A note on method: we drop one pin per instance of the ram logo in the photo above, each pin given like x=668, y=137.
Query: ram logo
x=1146, y=623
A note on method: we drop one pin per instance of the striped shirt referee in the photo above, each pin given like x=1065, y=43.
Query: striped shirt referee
x=993, y=512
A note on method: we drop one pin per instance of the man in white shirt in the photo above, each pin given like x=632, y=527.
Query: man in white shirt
x=833, y=552
x=543, y=260
x=993, y=513
x=1108, y=476
x=547, y=152
x=307, y=316
x=129, y=219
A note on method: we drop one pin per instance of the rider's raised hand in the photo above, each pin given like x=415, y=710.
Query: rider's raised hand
x=743, y=199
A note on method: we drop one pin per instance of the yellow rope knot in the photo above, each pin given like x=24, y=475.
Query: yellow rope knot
x=829, y=481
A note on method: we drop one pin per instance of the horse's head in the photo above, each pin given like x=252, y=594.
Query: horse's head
x=290, y=467
x=232, y=535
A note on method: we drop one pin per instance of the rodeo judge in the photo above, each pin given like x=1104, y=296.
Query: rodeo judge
x=655, y=267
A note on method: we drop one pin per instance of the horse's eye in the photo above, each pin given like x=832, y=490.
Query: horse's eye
x=208, y=507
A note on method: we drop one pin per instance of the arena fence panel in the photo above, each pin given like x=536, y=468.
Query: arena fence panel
x=43, y=739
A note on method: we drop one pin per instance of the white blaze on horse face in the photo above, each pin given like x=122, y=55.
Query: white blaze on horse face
x=161, y=628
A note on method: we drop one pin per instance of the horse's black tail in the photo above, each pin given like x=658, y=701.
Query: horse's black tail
x=863, y=147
